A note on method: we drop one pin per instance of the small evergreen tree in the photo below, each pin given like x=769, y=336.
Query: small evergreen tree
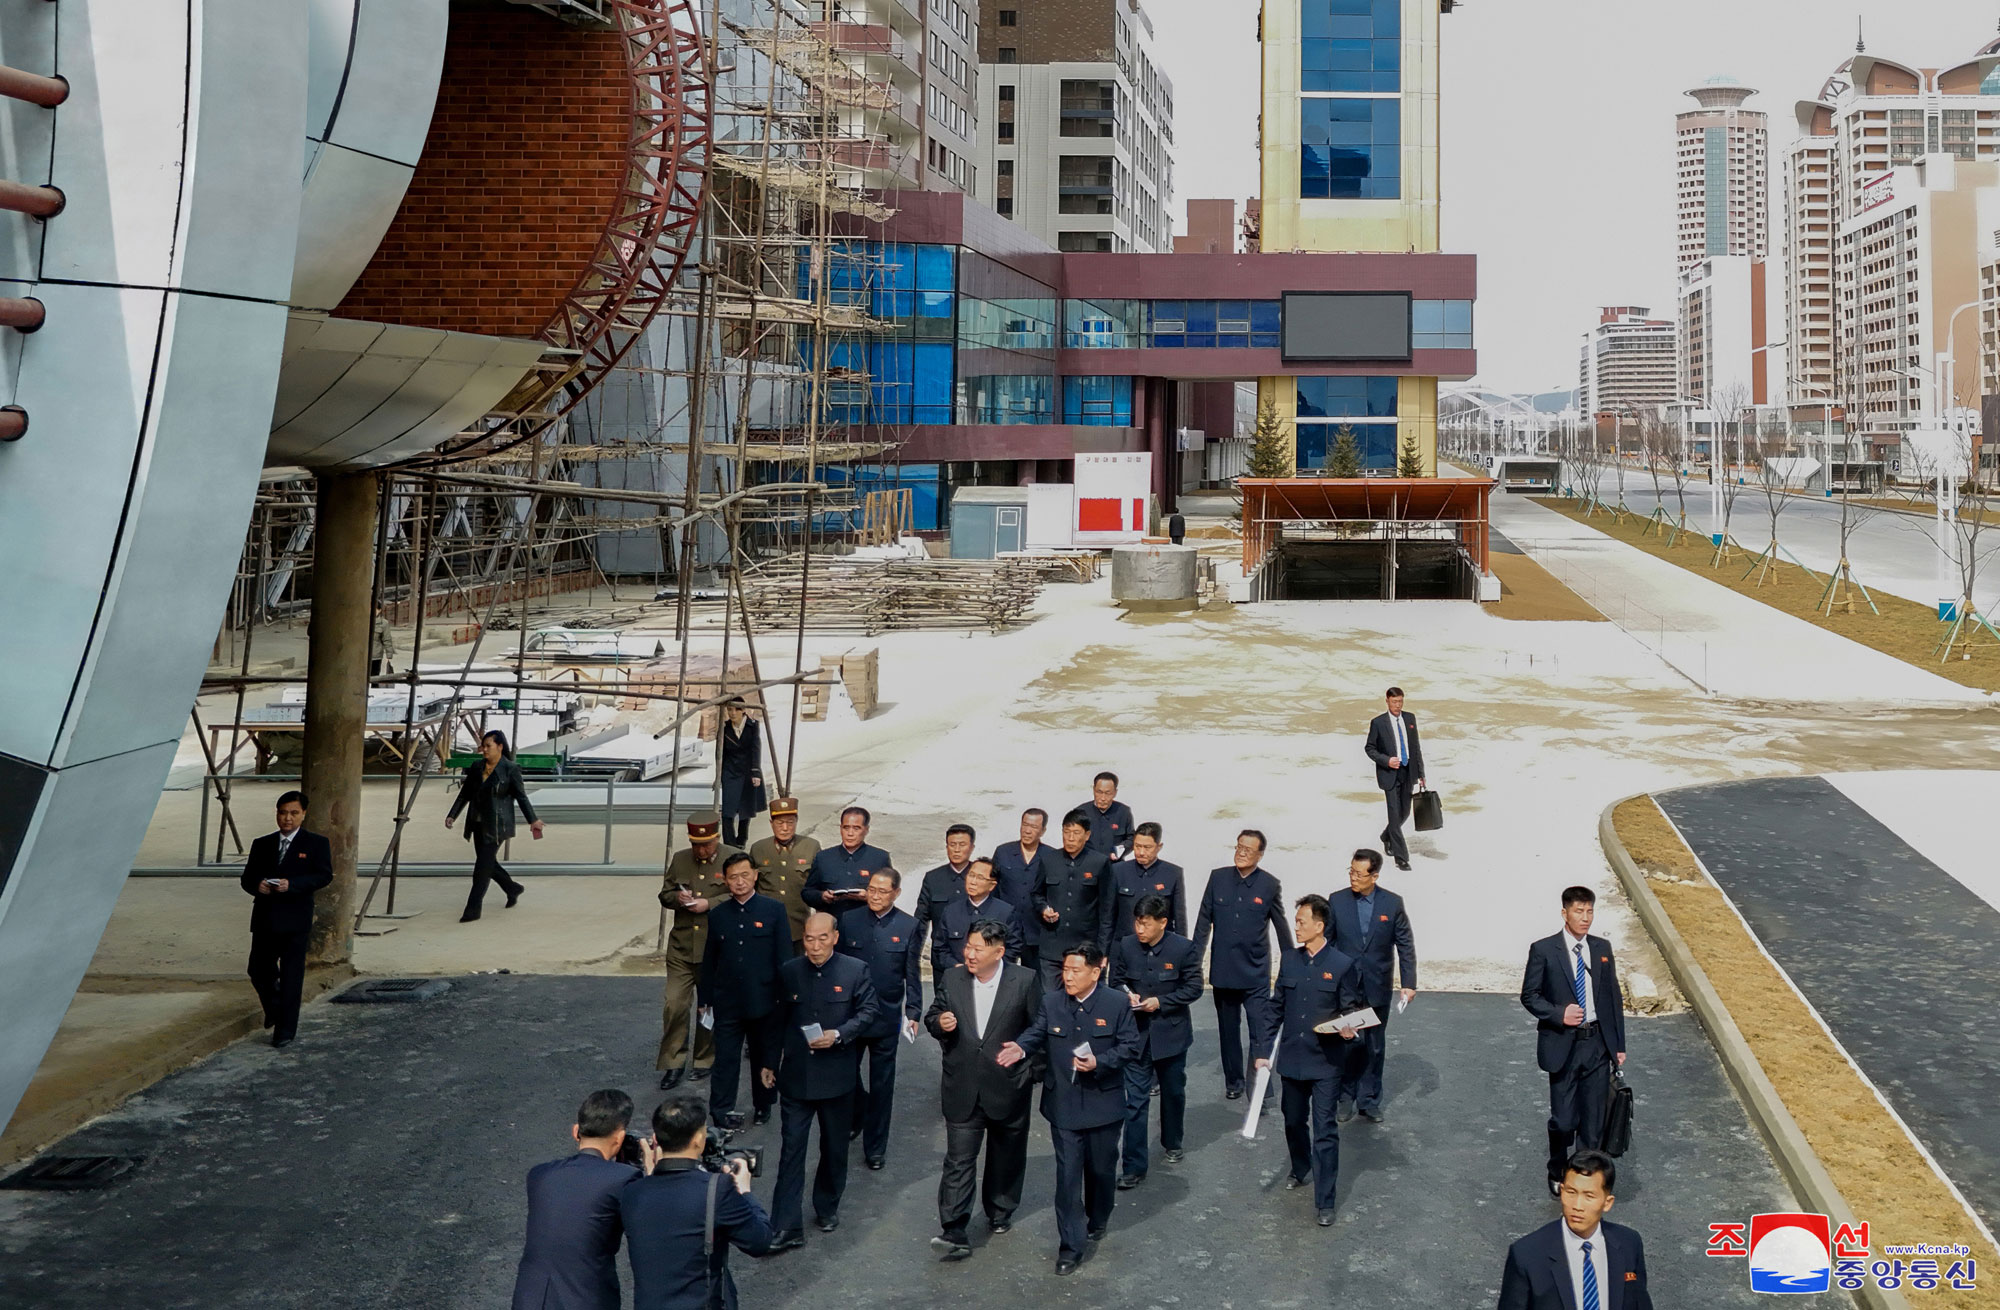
x=1410, y=459
x=1345, y=461
x=1270, y=453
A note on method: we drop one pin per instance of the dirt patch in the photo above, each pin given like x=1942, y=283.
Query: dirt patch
x=1904, y=629
x=1531, y=593
x=1870, y=1158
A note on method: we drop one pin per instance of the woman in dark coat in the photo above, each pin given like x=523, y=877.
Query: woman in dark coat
x=742, y=773
x=492, y=788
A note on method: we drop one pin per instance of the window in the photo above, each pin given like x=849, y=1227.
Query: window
x=1004, y=206
x=1008, y=17
x=1005, y=168
x=1006, y=131
x=1009, y=55
x=1352, y=147
x=1006, y=95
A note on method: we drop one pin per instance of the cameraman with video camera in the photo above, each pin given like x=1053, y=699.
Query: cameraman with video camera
x=570, y=1260
x=682, y=1218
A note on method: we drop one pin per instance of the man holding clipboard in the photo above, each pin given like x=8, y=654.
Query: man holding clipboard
x=1312, y=1016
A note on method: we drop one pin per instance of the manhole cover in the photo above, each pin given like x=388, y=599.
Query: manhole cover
x=71, y=1173
x=393, y=991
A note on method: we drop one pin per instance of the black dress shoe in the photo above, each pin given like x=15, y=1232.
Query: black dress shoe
x=1555, y=1188
x=789, y=1240
x=1094, y=1234
x=270, y=1021
x=952, y=1246
x=1130, y=1181
x=732, y=1121
x=1343, y=1112
x=1174, y=1156
x=1404, y=865
x=671, y=1079
x=698, y=1075
x=282, y=1040
x=875, y=1163
x=854, y=1131
x=1326, y=1219
x=514, y=897
x=1064, y=1268
x=1004, y=1226
x=1372, y=1116
x=827, y=1224
x=470, y=916
x=1233, y=1093
x=763, y=1116
x=1155, y=1089
x=1294, y=1183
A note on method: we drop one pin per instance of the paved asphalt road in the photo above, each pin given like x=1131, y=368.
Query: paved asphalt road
x=378, y=1163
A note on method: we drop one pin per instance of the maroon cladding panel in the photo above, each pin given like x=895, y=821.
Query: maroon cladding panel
x=1241, y=363
x=1265, y=277
x=955, y=443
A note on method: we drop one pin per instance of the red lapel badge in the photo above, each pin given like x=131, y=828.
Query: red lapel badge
x=1170, y=964
x=1327, y=976
x=1100, y=1023
x=836, y=987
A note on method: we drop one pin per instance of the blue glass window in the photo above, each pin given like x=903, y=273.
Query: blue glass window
x=1441, y=324
x=1346, y=397
x=1351, y=46
x=1376, y=443
x=1351, y=146
x=1098, y=401
x=1352, y=149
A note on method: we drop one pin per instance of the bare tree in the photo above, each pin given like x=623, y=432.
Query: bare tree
x=1780, y=478
x=1620, y=510
x=1590, y=468
x=1657, y=458
x=1841, y=584
x=1726, y=454
x=1963, y=532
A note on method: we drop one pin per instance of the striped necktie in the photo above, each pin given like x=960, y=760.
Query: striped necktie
x=1581, y=982
x=1590, y=1301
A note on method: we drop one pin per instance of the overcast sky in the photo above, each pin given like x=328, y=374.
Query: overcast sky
x=1558, y=133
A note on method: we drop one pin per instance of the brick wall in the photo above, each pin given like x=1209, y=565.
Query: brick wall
x=1047, y=32
x=516, y=182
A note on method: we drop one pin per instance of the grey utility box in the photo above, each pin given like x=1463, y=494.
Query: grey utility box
x=986, y=521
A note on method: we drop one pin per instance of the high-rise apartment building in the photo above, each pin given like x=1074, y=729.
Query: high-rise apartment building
x=1627, y=362
x=1721, y=355
x=1211, y=228
x=909, y=118
x=1077, y=120
x=1721, y=200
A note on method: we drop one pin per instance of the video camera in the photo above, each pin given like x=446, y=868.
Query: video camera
x=716, y=1154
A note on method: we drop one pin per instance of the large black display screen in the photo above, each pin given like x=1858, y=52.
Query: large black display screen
x=1322, y=327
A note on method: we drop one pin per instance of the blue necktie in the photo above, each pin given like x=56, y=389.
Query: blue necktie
x=1589, y=1281
x=1582, y=983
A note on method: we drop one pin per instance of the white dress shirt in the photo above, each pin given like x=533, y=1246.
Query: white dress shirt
x=1402, y=743
x=1574, y=1246
x=1570, y=945
x=983, y=994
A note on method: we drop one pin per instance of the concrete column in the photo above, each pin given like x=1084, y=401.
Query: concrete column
x=1156, y=434
x=337, y=693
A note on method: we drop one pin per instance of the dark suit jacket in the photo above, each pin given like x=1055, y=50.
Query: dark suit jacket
x=837, y=869
x=936, y=891
x=955, y=920
x=492, y=800
x=742, y=760
x=1537, y=1273
x=1170, y=970
x=1080, y=891
x=1237, y=909
x=570, y=1260
x=1019, y=876
x=664, y=1215
x=1134, y=884
x=1381, y=748
x=1075, y=1100
x=748, y=945
x=308, y=867
x=839, y=996
x=1309, y=991
x=1548, y=988
x=1389, y=942
x=973, y=1084
x=892, y=947
x=1109, y=829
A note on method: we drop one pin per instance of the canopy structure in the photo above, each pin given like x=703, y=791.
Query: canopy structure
x=1334, y=508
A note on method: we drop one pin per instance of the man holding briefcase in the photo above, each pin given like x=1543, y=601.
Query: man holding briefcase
x=1399, y=769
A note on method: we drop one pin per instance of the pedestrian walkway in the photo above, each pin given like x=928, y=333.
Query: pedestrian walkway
x=1722, y=642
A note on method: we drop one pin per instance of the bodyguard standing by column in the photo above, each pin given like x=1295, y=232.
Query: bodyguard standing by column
x=826, y=1003
x=1571, y=987
x=1161, y=972
x=783, y=859
x=975, y=1011
x=948, y=879
x=1087, y=1032
x=1146, y=874
x=839, y=878
x=891, y=943
x=1315, y=983
x=283, y=871
x=1075, y=899
x=693, y=883
x=1018, y=866
x=1370, y=924
x=1399, y=768
x=748, y=944
x=1242, y=906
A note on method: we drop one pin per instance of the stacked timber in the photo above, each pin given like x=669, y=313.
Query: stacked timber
x=857, y=671
x=844, y=594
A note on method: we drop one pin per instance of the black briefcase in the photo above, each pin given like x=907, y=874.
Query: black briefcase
x=1428, y=810
x=1617, y=1117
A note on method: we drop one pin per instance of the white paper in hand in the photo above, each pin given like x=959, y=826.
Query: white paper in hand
x=1361, y=1018
x=707, y=1018
x=1257, y=1089
x=909, y=1030
x=812, y=1031
x=1402, y=1002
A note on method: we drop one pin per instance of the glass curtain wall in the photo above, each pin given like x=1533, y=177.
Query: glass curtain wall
x=1007, y=326
x=1328, y=406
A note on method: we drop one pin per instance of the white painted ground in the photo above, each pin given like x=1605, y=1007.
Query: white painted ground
x=1946, y=815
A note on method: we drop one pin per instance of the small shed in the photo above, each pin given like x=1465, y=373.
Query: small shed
x=986, y=521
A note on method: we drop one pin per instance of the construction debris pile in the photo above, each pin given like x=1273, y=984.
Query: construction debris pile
x=881, y=595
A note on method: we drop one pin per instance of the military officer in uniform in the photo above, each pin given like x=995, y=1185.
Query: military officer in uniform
x=692, y=884
x=748, y=942
x=1074, y=899
x=783, y=860
x=891, y=943
x=1243, y=906
x=826, y=1002
x=955, y=921
x=839, y=878
x=1161, y=972
x=1087, y=1031
x=1110, y=818
x=1146, y=874
x=1315, y=983
x=948, y=879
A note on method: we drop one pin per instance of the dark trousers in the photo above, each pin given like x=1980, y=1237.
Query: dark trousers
x=278, y=972
x=1579, y=1093
x=1363, y=1084
x=732, y=1033
x=873, y=1102
x=735, y=832
x=1006, y=1167
x=1139, y=1076
x=1229, y=1020
x=1086, y=1182
x=1050, y=967
x=1397, y=799
x=1031, y=957
x=1312, y=1134
x=486, y=867
x=835, y=1114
